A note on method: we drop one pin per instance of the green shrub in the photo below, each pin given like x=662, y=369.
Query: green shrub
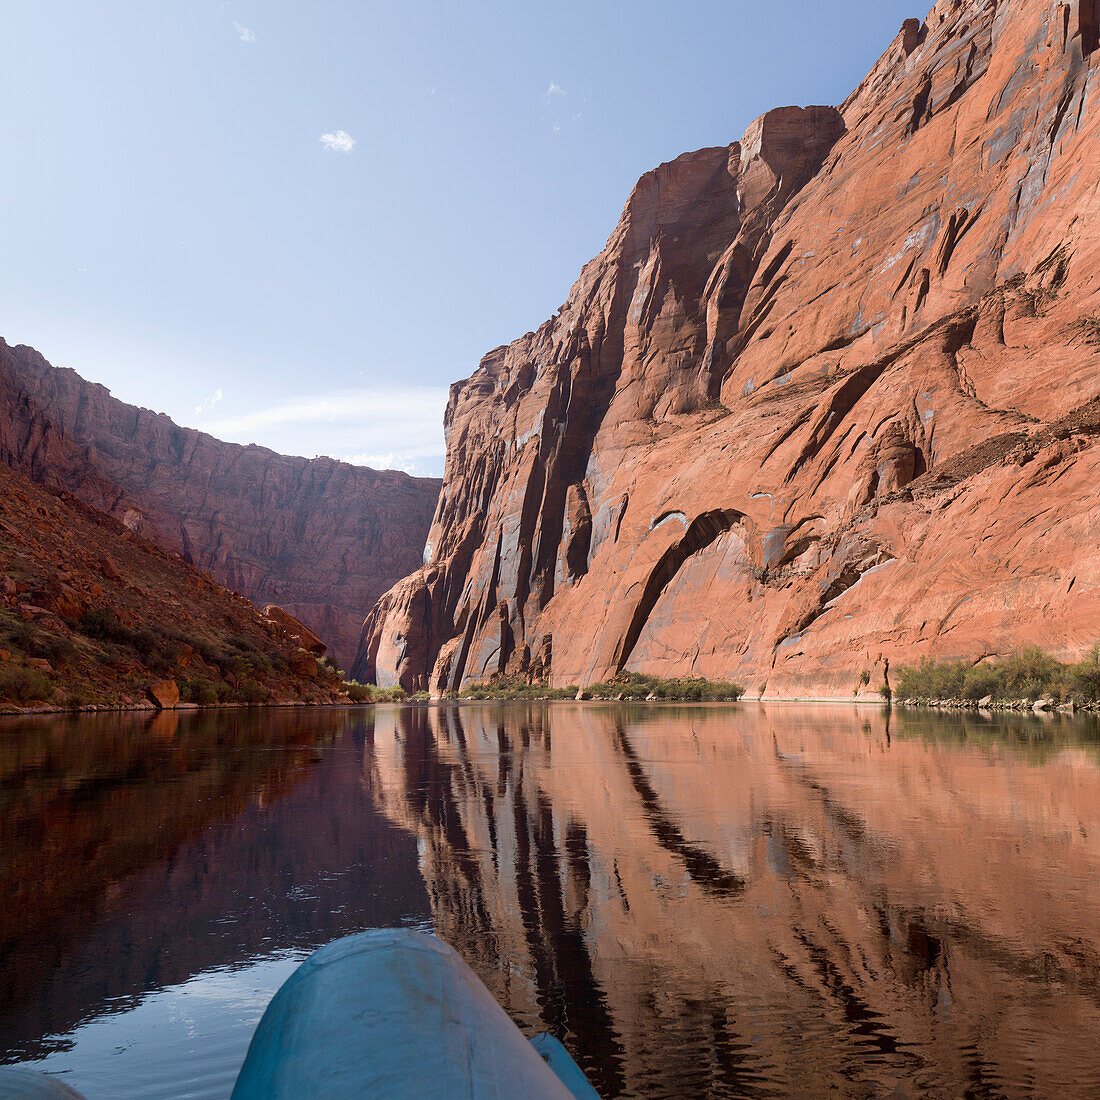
x=627, y=685
x=1029, y=674
x=394, y=694
x=368, y=693
x=1084, y=679
x=25, y=685
x=55, y=648
x=252, y=693
x=509, y=689
x=980, y=681
x=357, y=692
x=155, y=649
x=198, y=691
x=329, y=669
x=102, y=624
x=21, y=635
x=932, y=680
x=636, y=685
x=208, y=653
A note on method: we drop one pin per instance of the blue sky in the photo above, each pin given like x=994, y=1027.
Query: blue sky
x=296, y=224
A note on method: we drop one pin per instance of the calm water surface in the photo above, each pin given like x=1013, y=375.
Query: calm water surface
x=699, y=901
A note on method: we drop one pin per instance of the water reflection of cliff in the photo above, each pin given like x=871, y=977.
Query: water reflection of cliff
x=135, y=854
x=739, y=901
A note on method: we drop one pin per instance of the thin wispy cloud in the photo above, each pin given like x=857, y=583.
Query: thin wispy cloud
x=213, y=400
x=386, y=428
x=246, y=34
x=391, y=460
x=562, y=107
x=339, y=141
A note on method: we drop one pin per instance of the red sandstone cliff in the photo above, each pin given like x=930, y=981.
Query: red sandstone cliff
x=827, y=399
x=320, y=538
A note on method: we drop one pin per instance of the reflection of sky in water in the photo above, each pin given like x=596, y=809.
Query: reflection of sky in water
x=204, y=1024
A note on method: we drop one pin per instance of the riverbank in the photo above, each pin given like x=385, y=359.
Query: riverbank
x=1028, y=680
x=142, y=707
x=626, y=687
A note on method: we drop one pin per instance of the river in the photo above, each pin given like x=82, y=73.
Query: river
x=719, y=900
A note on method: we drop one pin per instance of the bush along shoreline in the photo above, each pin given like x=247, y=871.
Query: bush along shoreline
x=626, y=687
x=369, y=693
x=1029, y=680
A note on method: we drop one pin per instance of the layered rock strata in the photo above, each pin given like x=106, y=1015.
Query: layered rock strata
x=826, y=402
x=318, y=537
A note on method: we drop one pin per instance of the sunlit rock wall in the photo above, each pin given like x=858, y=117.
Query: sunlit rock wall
x=826, y=402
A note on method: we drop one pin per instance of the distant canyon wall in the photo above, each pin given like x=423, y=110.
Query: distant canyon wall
x=826, y=402
x=318, y=537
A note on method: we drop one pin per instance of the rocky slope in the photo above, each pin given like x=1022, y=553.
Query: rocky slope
x=320, y=538
x=826, y=401
x=92, y=614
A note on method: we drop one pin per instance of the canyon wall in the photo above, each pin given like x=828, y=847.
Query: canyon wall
x=826, y=402
x=318, y=537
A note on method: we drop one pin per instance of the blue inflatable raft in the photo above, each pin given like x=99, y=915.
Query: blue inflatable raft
x=384, y=1014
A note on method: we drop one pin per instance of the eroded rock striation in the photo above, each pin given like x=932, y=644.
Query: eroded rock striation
x=320, y=538
x=827, y=401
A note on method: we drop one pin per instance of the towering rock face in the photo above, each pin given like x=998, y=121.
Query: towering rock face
x=827, y=400
x=320, y=538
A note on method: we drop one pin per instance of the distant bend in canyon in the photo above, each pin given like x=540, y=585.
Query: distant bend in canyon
x=319, y=538
x=827, y=401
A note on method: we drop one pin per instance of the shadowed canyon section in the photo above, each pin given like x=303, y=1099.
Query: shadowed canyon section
x=318, y=537
x=827, y=401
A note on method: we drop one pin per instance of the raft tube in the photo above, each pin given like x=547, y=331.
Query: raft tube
x=393, y=1013
x=28, y=1084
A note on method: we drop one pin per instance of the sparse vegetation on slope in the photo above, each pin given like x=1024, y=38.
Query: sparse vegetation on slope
x=92, y=614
